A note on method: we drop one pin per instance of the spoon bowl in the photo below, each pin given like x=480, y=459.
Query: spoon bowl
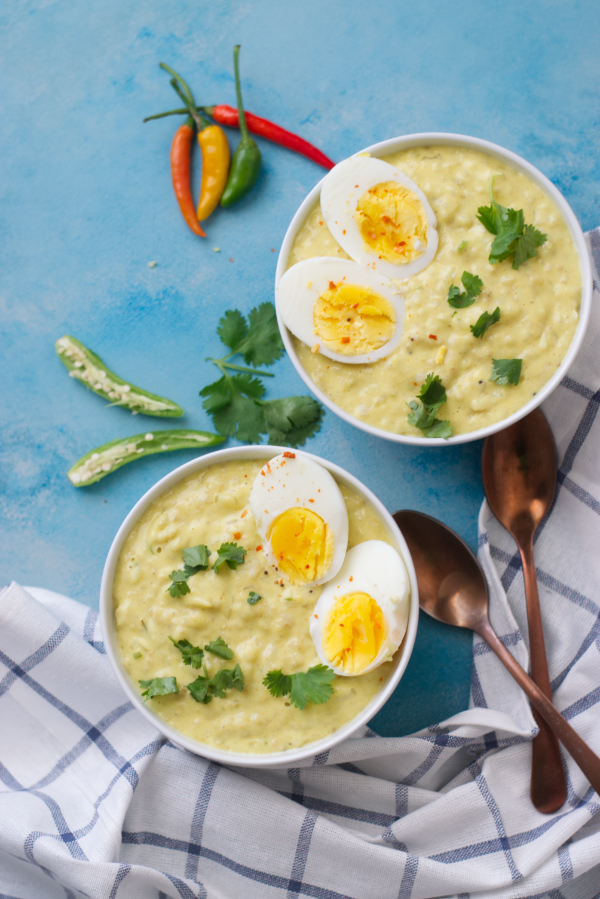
x=453, y=589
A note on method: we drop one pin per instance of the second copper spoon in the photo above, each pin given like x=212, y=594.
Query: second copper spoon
x=519, y=470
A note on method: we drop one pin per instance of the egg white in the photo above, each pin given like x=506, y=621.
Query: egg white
x=302, y=285
x=374, y=568
x=299, y=483
x=343, y=187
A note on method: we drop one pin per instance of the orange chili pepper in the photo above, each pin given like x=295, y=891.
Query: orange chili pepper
x=180, y=173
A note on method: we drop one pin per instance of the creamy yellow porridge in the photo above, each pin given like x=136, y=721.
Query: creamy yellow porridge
x=539, y=302
x=211, y=507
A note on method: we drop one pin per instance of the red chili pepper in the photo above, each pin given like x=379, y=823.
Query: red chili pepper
x=181, y=149
x=227, y=115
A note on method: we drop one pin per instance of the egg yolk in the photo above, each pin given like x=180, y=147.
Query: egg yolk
x=302, y=543
x=392, y=222
x=352, y=320
x=354, y=633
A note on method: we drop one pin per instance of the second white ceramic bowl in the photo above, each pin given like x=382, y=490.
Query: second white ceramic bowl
x=385, y=148
x=107, y=616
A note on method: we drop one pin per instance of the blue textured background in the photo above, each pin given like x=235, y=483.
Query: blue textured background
x=87, y=203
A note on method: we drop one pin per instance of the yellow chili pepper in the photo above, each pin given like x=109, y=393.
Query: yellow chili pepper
x=215, y=168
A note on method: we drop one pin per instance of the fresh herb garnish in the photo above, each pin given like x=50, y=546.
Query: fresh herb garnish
x=204, y=688
x=235, y=402
x=472, y=285
x=512, y=234
x=422, y=416
x=485, y=320
x=158, y=686
x=506, y=371
x=253, y=598
x=219, y=648
x=195, y=559
x=192, y=655
x=230, y=553
x=313, y=685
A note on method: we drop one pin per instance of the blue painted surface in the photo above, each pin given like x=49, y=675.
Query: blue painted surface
x=87, y=203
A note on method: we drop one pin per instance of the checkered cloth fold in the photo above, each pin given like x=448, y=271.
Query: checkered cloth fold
x=94, y=802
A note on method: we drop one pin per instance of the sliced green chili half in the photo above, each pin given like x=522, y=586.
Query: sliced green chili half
x=88, y=368
x=102, y=461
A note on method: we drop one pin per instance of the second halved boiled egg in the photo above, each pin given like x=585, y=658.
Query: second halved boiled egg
x=340, y=309
x=301, y=517
x=379, y=216
x=361, y=616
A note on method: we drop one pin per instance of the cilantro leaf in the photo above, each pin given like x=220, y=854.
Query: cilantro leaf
x=241, y=416
x=253, y=598
x=217, y=395
x=262, y=345
x=432, y=396
x=219, y=648
x=180, y=586
x=232, y=329
x=472, y=285
x=237, y=677
x=230, y=553
x=485, y=321
x=527, y=243
x=277, y=683
x=292, y=420
x=313, y=685
x=512, y=235
x=192, y=655
x=199, y=689
x=225, y=679
x=196, y=557
x=506, y=371
x=158, y=686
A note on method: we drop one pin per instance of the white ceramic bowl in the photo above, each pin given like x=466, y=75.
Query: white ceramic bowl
x=521, y=165
x=110, y=637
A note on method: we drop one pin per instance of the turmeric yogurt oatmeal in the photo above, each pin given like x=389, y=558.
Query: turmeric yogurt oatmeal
x=490, y=350
x=217, y=612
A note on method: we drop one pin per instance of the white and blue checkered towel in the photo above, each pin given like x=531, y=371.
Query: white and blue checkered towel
x=93, y=802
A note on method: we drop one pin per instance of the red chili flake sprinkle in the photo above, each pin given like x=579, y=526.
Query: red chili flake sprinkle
x=316, y=616
x=345, y=340
x=355, y=306
x=432, y=336
x=320, y=223
x=351, y=578
x=289, y=455
x=311, y=500
x=230, y=259
x=272, y=250
x=415, y=383
x=258, y=549
x=380, y=678
x=356, y=185
x=307, y=566
x=281, y=583
x=237, y=535
x=344, y=231
x=244, y=513
x=331, y=285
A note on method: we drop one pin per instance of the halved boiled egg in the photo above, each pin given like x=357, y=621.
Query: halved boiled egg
x=361, y=616
x=379, y=216
x=301, y=517
x=340, y=309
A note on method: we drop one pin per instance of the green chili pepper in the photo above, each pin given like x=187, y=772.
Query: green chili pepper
x=88, y=368
x=101, y=461
x=245, y=165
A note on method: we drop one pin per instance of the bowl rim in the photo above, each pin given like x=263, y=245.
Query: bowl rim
x=394, y=144
x=107, y=621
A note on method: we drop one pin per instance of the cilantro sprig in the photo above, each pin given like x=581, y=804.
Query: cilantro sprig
x=158, y=686
x=235, y=401
x=485, y=321
x=253, y=598
x=422, y=416
x=195, y=559
x=313, y=685
x=506, y=371
x=512, y=235
x=219, y=648
x=192, y=655
x=230, y=553
x=472, y=284
x=204, y=688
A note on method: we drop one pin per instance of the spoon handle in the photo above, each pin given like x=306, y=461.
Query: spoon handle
x=583, y=756
x=548, y=781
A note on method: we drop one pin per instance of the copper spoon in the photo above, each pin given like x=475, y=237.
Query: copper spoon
x=453, y=589
x=519, y=470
